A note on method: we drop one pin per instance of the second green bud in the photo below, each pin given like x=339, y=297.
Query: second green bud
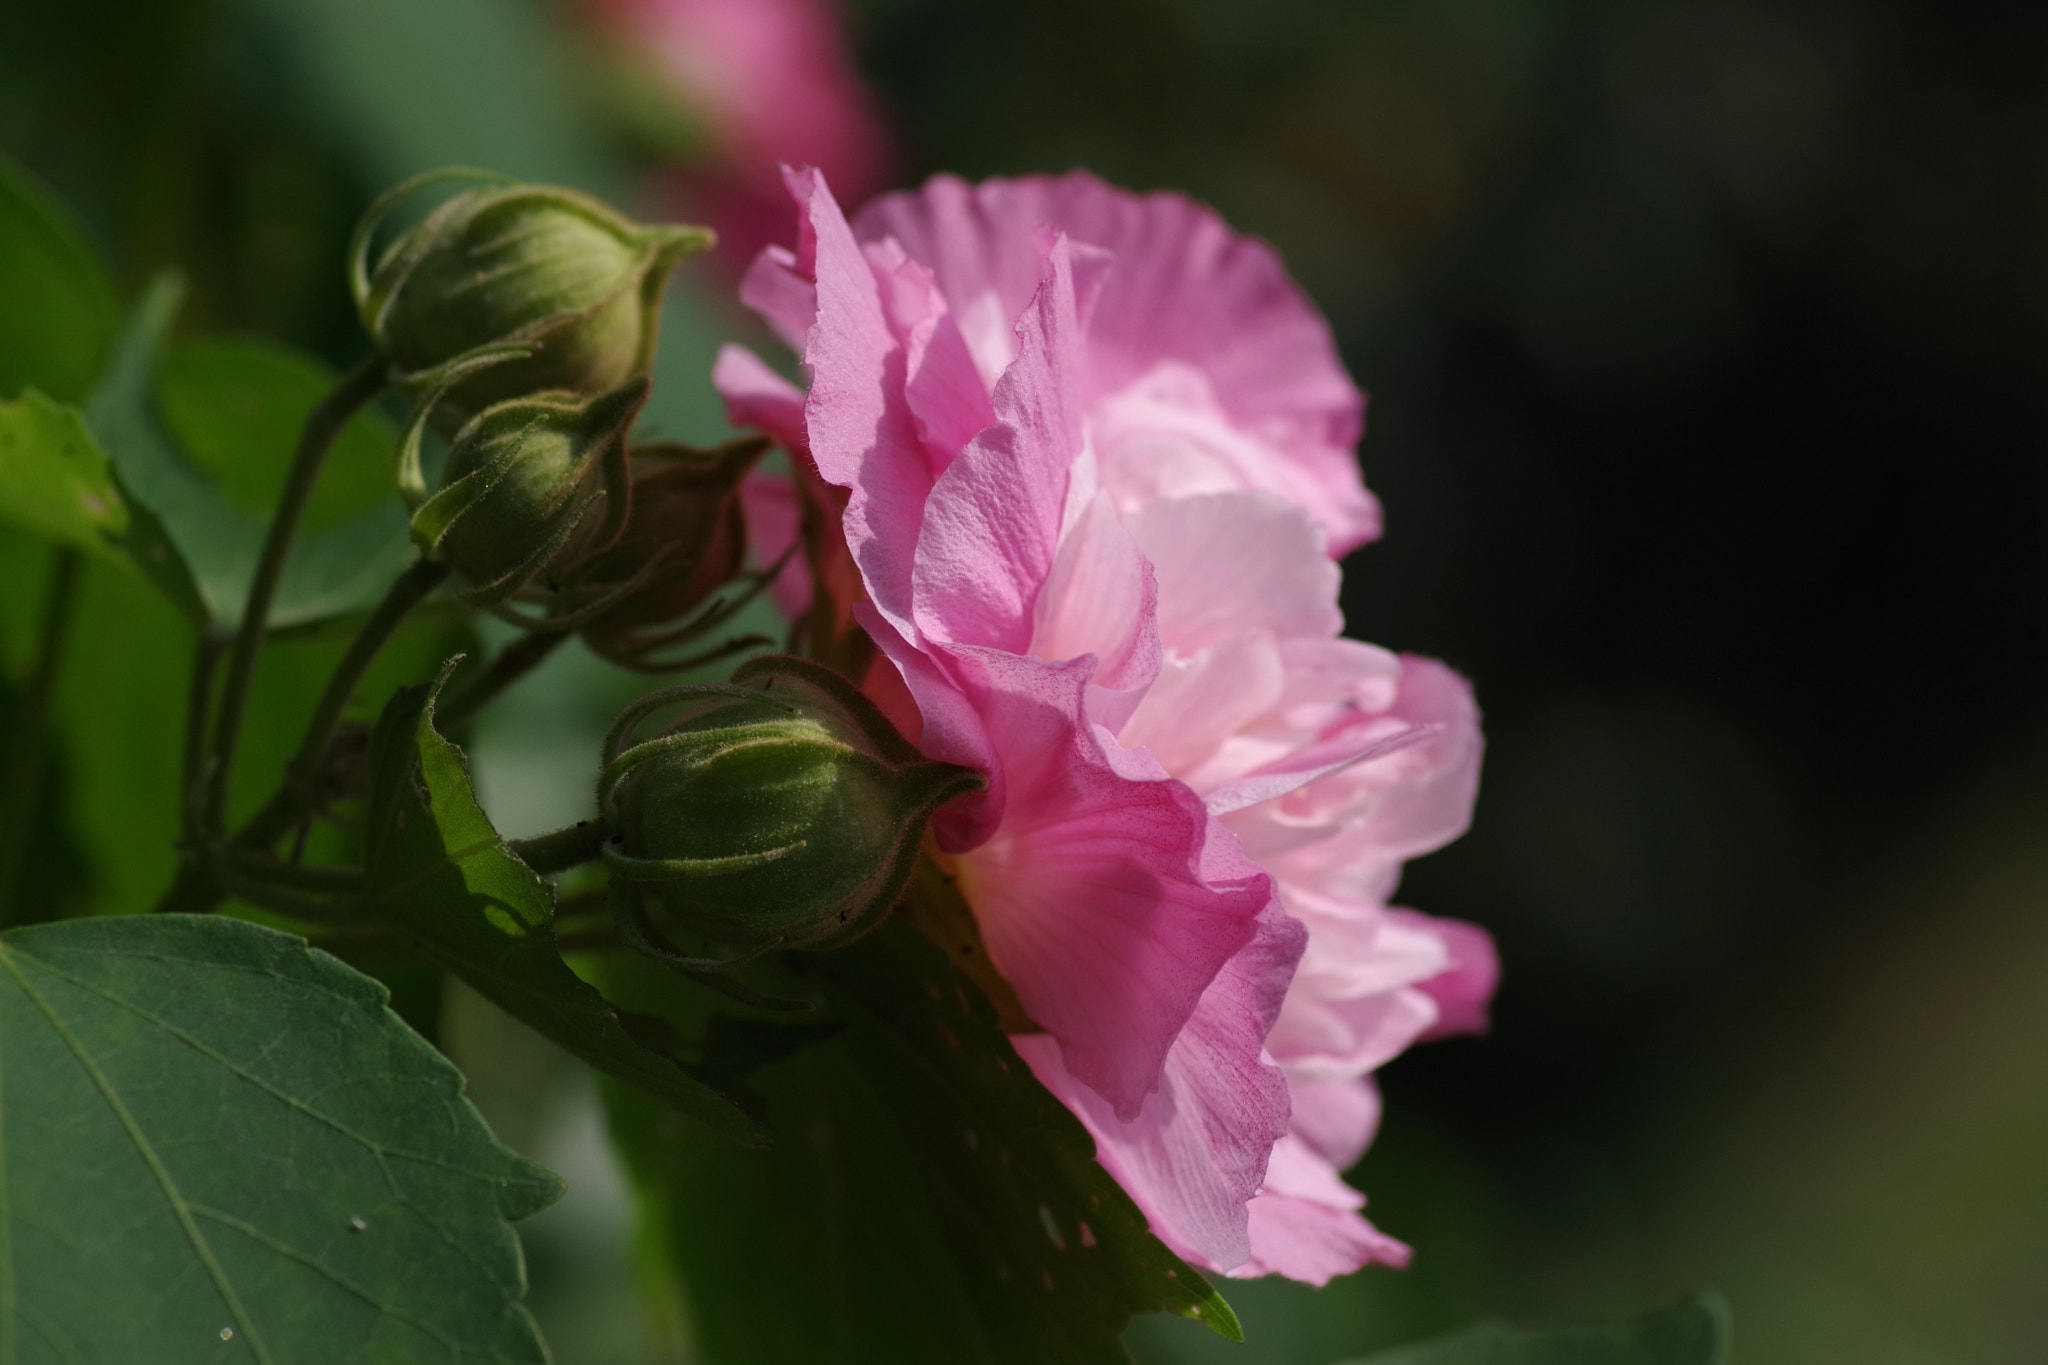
x=782, y=809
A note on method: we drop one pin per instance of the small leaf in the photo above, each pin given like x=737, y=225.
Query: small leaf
x=219, y=1145
x=1694, y=1332
x=56, y=482
x=61, y=315
x=930, y=1200
x=439, y=872
x=239, y=406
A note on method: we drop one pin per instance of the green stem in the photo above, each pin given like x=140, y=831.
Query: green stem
x=406, y=592
x=206, y=651
x=323, y=426
x=289, y=803
x=514, y=662
x=582, y=842
x=31, y=732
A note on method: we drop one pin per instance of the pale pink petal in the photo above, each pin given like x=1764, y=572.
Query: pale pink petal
x=1336, y=1121
x=1347, y=674
x=1344, y=831
x=1306, y=1225
x=1185, y=288
x=1335, y=1037
x=1200, y=700
x=1232, y=562
x=992, y=522
x=1463, y=990
x=1098, y=895
x=1099, y=599
x=1310, y=764
x=1196, y=1151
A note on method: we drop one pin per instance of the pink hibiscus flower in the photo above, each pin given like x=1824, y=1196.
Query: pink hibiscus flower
x=1087, y=456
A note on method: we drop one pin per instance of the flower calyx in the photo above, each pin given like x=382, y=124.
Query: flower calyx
x=574, y=284
x=781, y=810
x=685, y=538
x=530, y=487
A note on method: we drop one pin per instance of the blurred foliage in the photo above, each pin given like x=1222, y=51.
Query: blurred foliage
x=1704, y=338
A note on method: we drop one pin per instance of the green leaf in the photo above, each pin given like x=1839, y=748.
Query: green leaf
x=439, y=872
x=57, y=483
x=220, y=1145
x=930, y=1202
x=234, y=407
x=61, y=315
x=233, y=410
x=1694, y=1332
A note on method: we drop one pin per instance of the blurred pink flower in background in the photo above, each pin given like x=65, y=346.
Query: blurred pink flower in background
x=1097, y=457
x=746, y=85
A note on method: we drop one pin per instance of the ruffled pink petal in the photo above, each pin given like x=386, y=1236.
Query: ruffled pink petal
x=782, y=294
x=1346, y=831
x=1196, y=1151
x=1185, y=289
x=1463, y=990
x=1108, y=901
x=862, y=437
x=992, y=522
x=1306, y=1225
x=756, y=396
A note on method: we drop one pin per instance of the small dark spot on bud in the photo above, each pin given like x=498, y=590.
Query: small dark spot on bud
x=581, y=823
x=618, y=839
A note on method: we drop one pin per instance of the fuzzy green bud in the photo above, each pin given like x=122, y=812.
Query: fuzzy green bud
x=563, y=274
x=530, y=487
x=780, y=810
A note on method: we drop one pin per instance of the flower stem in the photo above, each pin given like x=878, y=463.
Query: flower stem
x=301, y=786
x=514, y=662
x=407, y=591
x=581, y=842
x=323, y=426
x=31, y=727
x=192, y=773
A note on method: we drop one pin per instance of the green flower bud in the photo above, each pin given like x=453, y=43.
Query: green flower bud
x=530, y=487
x=782, y=810
x=575, y=282
x=684, y=539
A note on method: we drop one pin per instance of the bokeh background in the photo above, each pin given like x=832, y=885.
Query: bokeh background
x=1707, y=343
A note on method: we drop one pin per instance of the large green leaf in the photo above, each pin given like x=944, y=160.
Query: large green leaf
x=439, y=872
x=237, y=408
x=218, y=1144
x=56, y=483
x=930, y=1200
x=1694, y=1332
x=234, y=407
x=60, y=315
